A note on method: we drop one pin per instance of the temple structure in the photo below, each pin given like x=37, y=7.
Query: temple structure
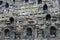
x=29, y=20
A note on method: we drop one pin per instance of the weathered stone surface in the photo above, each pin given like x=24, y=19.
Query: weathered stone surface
x=29, y=20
